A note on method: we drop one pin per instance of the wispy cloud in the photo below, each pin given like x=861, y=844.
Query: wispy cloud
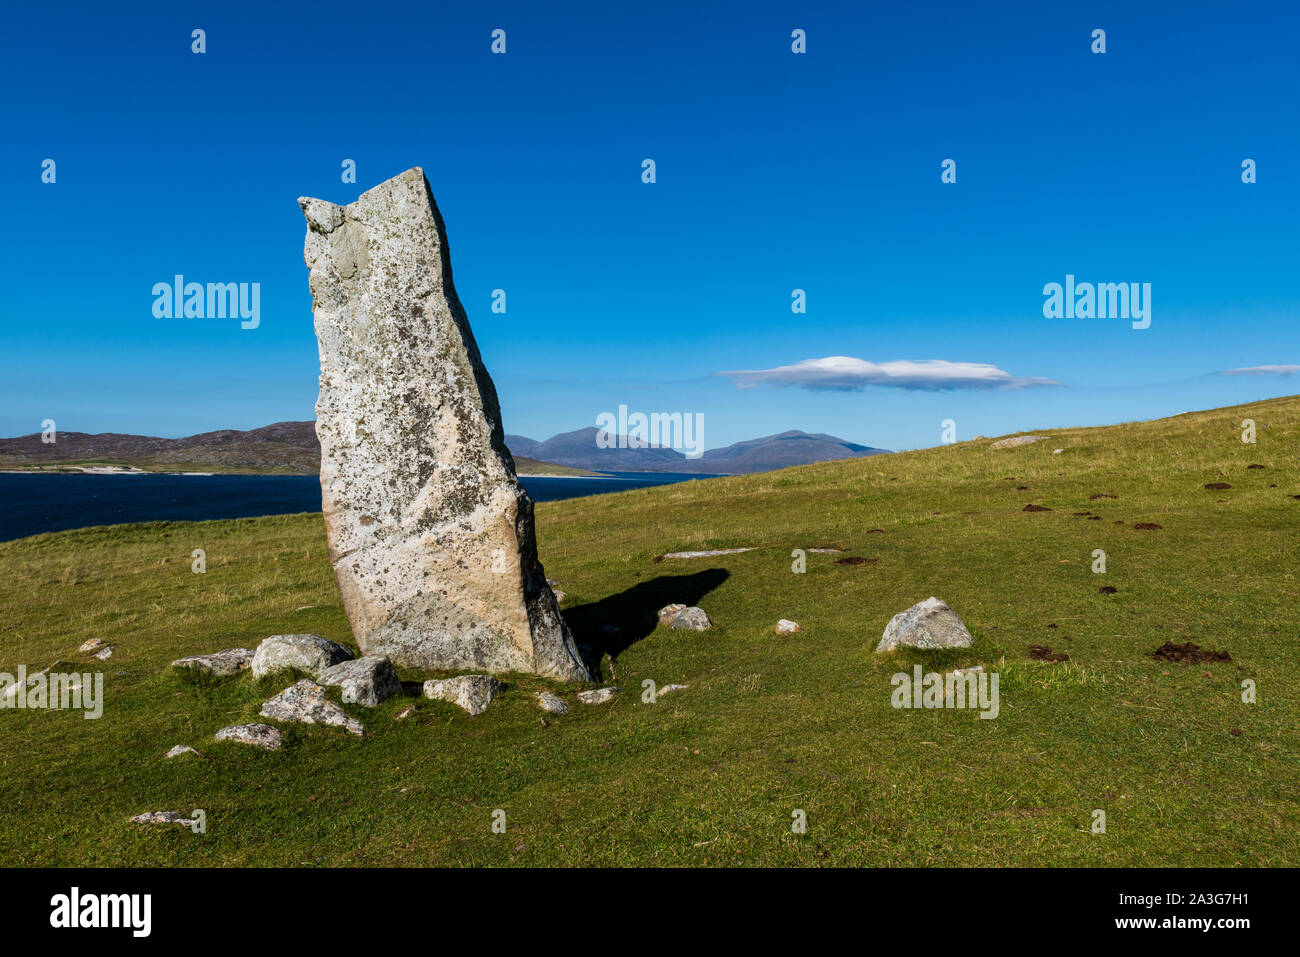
x=1263, y=370
x=845, y=373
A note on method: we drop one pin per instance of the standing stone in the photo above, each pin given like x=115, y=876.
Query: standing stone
x=430, y=533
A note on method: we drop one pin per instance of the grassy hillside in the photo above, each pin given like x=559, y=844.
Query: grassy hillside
x=710, y=775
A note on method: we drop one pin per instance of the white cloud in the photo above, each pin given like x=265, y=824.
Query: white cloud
x=847, y=373
x=1263, y=370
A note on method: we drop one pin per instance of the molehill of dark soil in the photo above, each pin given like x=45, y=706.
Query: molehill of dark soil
x=1188, y=653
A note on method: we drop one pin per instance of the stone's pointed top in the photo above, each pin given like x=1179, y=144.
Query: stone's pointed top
x=412, y=178
x=322, y=216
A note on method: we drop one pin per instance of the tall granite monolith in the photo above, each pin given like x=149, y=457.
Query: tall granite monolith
x=430, y=533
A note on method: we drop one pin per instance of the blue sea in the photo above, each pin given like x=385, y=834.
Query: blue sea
x=31, y=504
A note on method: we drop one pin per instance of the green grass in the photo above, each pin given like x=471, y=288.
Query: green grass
x=1187, y=773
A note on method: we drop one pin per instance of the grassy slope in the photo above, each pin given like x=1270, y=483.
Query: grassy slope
x=711, y=774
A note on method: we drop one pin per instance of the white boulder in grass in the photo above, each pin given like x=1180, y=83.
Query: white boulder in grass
x=310, y=653
x=550, y=703
x=258, y=735
x=473, y=693
x=684, y=616
x=927, y=624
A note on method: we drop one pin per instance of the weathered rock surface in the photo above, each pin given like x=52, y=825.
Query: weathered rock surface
x=310, y=653
x=221, y=664
x=666, y=689
x=1015, y=440
x=369, y=681
x=104, y=653
x=430, y=533
x=787, y=627
x=598, y=695
x=688, y=617
x=549, y=702
x=706, y=553
x=259, y=735
x=471, y=692
x=180, y=749
x=305, y=703
x=668, y=612
x=927, y=624
x=91, y=644
x=163, y=817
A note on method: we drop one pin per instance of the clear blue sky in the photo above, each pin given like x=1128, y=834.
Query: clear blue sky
x=775, y=171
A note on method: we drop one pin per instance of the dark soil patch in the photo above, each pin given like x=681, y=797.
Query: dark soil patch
x=1148, y=526
x=856, y=560
x=1119, y=521
x=1093, y=498
x=1035, y=508
x=1108, y=589
x=1080, y=514
x=1254, y=465
x=874, y=531
x=1094, y=518
x=1044, y=653
x=1022, y=488
x=1188, y=652
x=1217, y=485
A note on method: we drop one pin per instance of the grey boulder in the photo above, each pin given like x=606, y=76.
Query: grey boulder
x=368, y=681
x=305, y=703
x=471, y=692
x=163, y=817
x=221, y=664
x=927, y=624
x=310, y=653
x=258, y=735
x=692, y=619
x=550, y=703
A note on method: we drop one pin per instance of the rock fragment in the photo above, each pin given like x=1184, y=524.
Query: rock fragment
x=368, y=681
x=470, y=692
x=305, y=703
x=259, y=735
x=550, y=703
x=221, y=664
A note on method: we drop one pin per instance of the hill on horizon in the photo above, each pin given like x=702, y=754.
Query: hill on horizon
x=292, y=448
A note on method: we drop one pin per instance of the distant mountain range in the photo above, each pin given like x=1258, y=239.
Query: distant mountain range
x=580, y=449
x=291, y=447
